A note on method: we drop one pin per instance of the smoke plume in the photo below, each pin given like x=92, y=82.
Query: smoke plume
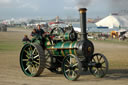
x=83, y=3
x=118, y=5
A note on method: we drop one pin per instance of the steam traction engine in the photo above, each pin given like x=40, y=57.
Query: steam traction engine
x=63, y=53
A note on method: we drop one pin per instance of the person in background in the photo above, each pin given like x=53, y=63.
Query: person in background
x=26, y=39
x=44, y=27
x=34, y=32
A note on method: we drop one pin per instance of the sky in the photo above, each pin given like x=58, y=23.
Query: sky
x=63, y=8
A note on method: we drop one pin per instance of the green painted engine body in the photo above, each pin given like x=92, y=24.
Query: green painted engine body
x=62, y=48
x=66, y=36
x=66, y=47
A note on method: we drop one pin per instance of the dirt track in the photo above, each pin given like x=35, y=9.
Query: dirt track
x=11, y=74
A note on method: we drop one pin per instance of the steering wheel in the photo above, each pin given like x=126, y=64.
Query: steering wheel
x=57, y=31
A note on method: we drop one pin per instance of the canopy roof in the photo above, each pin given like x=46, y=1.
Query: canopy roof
x=114, y=21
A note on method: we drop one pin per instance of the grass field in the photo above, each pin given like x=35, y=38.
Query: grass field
x=11, y=74
x=115, y=41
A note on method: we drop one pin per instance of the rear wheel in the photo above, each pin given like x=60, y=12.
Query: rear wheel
x=71, y=67
x=99, y=65
x=32, y=59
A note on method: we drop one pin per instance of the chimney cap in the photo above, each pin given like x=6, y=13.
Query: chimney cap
x=82, y=9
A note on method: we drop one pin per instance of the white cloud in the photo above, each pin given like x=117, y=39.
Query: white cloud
x=70, y=5
x=18, y=4
x=70, y=8
x=70, y=1
x=29, y=5
x=5, y=1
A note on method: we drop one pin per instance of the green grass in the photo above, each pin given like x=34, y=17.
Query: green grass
x=10, y=46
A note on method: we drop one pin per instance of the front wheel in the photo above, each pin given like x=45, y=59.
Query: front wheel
x=99, y=65
x=32, y=59
x=71, y=67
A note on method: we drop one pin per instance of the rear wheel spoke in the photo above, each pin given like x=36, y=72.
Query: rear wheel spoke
x=34, y=51
x=28, y=67
x=36, y=56
x=25, y=59
x=36, y=69
x=32, y=69
x=30, y=47
x=27, y=56
x=38, y=59
x=27, y=52
x=36, y=62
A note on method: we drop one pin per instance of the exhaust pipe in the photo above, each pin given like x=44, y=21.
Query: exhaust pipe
x=83, y=23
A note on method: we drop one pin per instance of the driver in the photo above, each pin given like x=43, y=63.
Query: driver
x=40, y=31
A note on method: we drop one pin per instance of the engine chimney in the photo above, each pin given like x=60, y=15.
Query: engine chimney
x=83, y=23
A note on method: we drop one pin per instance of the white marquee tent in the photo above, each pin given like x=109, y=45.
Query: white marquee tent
x=114, y=21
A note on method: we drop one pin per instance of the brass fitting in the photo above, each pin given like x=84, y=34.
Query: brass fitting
x=82, y=10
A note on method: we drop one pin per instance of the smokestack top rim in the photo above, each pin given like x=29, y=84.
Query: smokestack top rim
x=82, y=9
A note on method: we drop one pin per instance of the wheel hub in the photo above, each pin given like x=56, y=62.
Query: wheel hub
x=98, y=65
x=71, y=67
x=31, y=58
